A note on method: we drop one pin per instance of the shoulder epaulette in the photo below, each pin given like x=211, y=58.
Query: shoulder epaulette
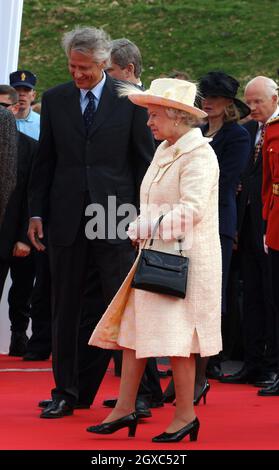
x=273, y=120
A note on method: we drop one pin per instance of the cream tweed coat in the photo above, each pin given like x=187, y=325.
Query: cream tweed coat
x=183, y=175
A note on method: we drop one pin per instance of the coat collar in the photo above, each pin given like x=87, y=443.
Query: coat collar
x=169, y=153
x=106, y=104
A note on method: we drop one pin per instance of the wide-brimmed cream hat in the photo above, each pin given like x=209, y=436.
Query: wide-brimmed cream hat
x=169, y=92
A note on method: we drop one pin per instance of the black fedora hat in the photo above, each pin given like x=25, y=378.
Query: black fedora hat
x=221, y=84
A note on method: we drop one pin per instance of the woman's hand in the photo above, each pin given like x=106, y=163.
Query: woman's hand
x=138, y=230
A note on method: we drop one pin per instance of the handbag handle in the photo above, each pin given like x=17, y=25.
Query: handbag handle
x=156, y=226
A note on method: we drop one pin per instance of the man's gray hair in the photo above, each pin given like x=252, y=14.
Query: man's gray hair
x=125, y=52
x=88, y=41
x=269, y=85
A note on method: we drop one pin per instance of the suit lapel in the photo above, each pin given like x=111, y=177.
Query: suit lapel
x=72, y=106
x=107, y=102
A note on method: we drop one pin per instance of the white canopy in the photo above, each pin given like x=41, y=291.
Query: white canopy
x=10, y=26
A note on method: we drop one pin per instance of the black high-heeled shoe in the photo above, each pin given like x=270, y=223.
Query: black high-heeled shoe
x=190, y=428
x=130, y=421
x=202, y=394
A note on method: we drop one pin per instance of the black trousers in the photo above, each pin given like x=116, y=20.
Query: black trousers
x=227, y=248
x=150, y=387
x=273, y=256
x=22, y=271
x=40, y=341
x=78, y=373
x=258, y=311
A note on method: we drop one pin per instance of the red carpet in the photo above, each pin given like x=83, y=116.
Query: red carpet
x=234, y=417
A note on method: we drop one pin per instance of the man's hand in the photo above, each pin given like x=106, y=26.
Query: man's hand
x=35, y=233
x=21, y=250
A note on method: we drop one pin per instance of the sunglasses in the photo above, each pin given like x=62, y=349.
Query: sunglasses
x=7, y=105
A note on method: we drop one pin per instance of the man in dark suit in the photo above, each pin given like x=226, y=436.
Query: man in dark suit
x=94, y=149
x=15, y=251
x=260, y=361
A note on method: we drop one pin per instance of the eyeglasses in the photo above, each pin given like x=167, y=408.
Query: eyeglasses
x=7, y=105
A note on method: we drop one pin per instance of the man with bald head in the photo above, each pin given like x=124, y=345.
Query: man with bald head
x=260, y=361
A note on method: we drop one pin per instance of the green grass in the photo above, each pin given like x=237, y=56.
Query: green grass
x=238, y=37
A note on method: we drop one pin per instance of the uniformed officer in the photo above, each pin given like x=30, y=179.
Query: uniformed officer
x=270, y=198
x=27, y=120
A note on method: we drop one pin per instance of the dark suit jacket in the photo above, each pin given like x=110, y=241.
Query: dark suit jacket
x=15, y=223
x=251, y=189
x=110, y=161
x=232, y=146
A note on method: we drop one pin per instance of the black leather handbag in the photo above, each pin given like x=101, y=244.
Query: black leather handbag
x=161, y=272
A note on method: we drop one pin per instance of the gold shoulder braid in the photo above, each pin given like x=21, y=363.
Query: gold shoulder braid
x=273, y=120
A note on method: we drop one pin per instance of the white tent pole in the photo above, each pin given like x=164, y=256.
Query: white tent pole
x=10, y=27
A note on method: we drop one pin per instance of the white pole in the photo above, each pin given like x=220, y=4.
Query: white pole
x=10, y=27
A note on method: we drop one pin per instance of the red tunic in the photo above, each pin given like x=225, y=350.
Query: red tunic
x=271, y=184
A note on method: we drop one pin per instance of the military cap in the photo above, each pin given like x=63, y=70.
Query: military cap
x=23, y=78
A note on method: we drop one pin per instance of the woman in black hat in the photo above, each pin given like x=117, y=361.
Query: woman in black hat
x=231, y=144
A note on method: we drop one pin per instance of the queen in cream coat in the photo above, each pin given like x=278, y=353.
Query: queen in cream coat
x=182, y=184
x=184, y=176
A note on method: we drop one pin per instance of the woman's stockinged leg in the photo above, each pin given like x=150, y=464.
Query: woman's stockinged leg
x=183, y=369
x=131, y=374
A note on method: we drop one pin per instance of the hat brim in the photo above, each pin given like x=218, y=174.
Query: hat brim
x=25, y=84
x=146, y=100
x=243, y=109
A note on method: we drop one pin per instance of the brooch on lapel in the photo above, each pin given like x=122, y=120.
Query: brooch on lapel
x=176, y=152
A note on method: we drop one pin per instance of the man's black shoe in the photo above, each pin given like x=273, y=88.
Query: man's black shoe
x=266, y=380
x=18, y=343
x=156, y=404
x=57, y=409
x=163, y=374
x=142, y=409
x=77, y=406
x=243, y=376
x=32, y=356
x=214, y=372
x=272, y=391
x=110, y=403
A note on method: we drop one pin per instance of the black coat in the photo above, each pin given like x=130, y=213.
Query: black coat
x=232, y=147
x=110, y=161
x=15, y=222
x=251, y=189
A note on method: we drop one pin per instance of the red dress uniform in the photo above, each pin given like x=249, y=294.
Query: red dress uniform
x=270, y=187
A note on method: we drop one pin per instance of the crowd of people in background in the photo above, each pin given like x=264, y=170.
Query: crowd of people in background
x=89, y=143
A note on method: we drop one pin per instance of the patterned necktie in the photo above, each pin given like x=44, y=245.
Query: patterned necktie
x=259, y=145
x=88, y=115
